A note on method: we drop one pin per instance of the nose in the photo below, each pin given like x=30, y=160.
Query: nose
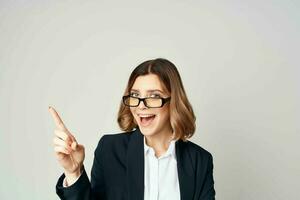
x=142, y=105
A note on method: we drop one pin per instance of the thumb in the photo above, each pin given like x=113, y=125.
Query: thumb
x=74, y=145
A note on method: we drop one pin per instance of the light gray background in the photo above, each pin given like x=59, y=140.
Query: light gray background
x=239, y=62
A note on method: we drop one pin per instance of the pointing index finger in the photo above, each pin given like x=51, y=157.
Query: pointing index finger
x=58, y=122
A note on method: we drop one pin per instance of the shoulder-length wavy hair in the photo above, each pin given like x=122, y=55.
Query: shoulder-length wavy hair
x=182, y=118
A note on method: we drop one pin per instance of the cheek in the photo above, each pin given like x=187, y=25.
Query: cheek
x=132, y=110
x=165, y=115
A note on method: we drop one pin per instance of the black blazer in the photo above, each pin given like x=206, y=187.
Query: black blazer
x=118, y=171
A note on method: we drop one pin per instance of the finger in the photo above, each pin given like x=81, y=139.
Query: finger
x=74, y=145
x=61, y=149
x=74, y=142
x=64, y=136
x=59, y=155
x=73, y=138
x=59, y=142
x=68, y=138
x=58, y=121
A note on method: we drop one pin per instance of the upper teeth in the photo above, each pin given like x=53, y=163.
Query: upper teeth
x=141, y=115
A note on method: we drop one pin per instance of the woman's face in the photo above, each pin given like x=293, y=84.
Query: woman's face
x=151, y=121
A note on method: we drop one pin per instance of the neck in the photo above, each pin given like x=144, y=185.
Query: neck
x=159, y=142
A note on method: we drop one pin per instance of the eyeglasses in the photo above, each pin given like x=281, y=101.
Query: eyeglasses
x=150, y=102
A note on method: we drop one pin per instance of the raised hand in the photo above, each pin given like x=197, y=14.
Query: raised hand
x=69, y=153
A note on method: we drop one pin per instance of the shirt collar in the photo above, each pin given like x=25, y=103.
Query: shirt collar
x=170, y=150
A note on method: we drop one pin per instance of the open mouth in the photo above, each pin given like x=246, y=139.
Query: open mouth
x=146, y=120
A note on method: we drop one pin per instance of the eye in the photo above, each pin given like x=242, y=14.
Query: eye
x=155, y=96
x=134, y=94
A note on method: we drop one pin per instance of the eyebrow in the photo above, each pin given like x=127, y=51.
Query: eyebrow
x=156, y=90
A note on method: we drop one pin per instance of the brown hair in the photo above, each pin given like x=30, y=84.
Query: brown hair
x=182, y=116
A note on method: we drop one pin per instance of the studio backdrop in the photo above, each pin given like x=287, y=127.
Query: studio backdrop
x=239, y=62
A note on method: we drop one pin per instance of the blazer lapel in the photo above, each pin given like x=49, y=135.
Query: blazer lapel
x=135, y=166
x=185, y=171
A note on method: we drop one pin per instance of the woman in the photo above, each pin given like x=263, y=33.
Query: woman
x=152, y=159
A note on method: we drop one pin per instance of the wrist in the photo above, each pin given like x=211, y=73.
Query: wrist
x=72, y=177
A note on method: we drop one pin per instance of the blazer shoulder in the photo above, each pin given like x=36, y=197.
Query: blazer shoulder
x=116, y=136
x=197, y=150
x=113, y=141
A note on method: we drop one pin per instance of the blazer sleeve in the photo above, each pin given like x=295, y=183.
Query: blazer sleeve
x=83, y=189
x=208, y=191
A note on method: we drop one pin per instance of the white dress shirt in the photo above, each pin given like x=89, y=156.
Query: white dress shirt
x=161, y=177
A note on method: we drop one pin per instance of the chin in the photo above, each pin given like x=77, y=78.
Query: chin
x=147, y=131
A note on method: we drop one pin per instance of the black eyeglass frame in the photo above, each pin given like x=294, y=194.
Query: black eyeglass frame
x=163, y=101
